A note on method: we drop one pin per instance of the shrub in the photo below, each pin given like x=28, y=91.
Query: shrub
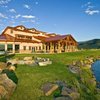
x=11, y=75
x=57, y=93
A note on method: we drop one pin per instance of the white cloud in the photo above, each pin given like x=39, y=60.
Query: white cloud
x=36, y=3
x=87, y=4
x=4, y=1
x=25, y=21
x=90, y=9
x=91, y=12
x=26, y=6
x=4, y=6
x=17, y=16
x=12, y=10
x=28, y=16
x=3, y=16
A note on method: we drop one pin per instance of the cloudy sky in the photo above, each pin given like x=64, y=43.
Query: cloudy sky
x=81, y=18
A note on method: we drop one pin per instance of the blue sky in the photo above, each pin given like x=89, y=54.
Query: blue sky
x=81, y=18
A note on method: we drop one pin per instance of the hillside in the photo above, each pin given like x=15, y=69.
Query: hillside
x=91, y=44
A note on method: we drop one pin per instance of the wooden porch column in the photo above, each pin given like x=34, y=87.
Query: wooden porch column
x=59, y=48
x=66, y=47
x=51, y=47
x=13, y=47
x=48, y=47
x=44, y=47
x=55, y=47
x=5, y=46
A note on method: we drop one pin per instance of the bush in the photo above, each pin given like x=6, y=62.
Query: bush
x=57, y=93
x=11, y=75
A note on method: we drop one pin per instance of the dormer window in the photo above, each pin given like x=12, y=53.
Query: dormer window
x=11, y=31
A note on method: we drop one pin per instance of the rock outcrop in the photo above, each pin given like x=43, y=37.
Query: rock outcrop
x=7, y=87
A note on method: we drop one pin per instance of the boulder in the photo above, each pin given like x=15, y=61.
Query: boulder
x=63, y=98
x=3, y=65
x=7, y=83
x=65, y=91
x=11, y=75
x=75, y=95
x=87, y=66
x=21, y=62
x=91, y=60
x=48, y=62
x=9, y=63
x=49, y=88
x=61, y=83
x=13, y=61
x=78, y=63
x=27, y=58
x=42, y=64
x=13, y=68
x=29, y=62
x=74, y=69
x=3, y=93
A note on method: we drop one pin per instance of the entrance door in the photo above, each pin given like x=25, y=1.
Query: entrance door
x=16, y=48
x=33, y=49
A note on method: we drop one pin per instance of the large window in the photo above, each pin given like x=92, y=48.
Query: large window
x=9, y=47
x=39, y=47
x=17, y=48
x=29, y=47
x=2, y=47
x=24, y=47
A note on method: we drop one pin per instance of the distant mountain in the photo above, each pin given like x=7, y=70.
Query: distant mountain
x=91, y=44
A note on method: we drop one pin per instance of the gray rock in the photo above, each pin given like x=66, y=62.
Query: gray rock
x=74, y=69
x=65, y=91
x=63, y=98
x=78, y=63
x=61, y=83
x=48, y=88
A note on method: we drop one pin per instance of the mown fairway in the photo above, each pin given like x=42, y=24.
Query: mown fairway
x=32, y=78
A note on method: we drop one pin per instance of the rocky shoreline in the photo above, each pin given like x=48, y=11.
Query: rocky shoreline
x=65, y=92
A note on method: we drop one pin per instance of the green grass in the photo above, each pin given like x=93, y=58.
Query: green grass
x=32, y=78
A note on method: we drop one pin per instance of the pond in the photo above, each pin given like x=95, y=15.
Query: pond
x=96, y=70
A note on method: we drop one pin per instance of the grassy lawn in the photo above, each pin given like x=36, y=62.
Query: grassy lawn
x=32, y=78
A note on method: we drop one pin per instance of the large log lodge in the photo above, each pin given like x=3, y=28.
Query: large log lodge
x=23, y=40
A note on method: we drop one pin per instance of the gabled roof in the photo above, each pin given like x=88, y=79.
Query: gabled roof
x=25, y=30
x=58, y=37
x=55, y=38
x=42, y=38
x=6, y=37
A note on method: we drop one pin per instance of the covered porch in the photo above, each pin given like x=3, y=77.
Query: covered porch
x=9, y=47
x=60, y=44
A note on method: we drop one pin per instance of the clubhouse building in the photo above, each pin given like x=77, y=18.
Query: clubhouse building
x=20, y=39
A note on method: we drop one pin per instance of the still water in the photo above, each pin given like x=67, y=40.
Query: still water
x=96, y=70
